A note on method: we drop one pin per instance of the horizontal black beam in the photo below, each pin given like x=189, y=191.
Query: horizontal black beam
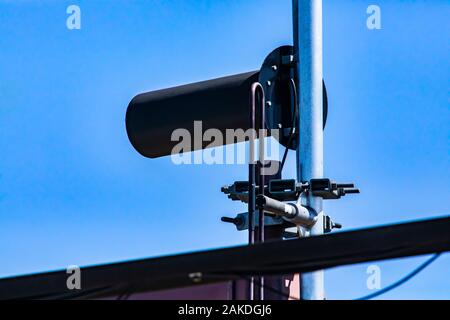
x=300, y=255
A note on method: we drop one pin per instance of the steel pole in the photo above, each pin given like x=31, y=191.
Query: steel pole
x=308, y=14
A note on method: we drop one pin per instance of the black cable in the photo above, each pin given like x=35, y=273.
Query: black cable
x=375, y=294
x=85, y=294
x=294, y=121
x=125, y=295
x=402, y=280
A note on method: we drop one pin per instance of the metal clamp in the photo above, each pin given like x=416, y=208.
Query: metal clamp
x=327, y=189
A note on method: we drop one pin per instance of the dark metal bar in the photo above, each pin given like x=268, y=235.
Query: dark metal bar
x=270, y=258
x=251, y=182
x=256, y=87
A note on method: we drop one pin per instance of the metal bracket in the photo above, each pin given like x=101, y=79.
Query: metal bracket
x=275, y=77
x=289, y=60
x=279, y=189
x=290, y=190
x=327, y=189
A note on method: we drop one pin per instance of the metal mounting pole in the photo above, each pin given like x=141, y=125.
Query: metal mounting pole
x=308, y=15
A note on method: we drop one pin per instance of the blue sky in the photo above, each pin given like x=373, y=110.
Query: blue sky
x=74, y=191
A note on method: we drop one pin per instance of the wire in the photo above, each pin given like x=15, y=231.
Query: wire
x=294, y=118
x=85, y=294
x=402, y=280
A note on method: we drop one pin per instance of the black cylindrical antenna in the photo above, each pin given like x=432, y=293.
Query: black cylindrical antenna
x=219, y=103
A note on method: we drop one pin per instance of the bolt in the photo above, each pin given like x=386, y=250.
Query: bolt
x=336, y=225
x=269, y=103
x=269, y=83
x=280, y=126
x=196, y=277
x=228, y=219
x=274, y=68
